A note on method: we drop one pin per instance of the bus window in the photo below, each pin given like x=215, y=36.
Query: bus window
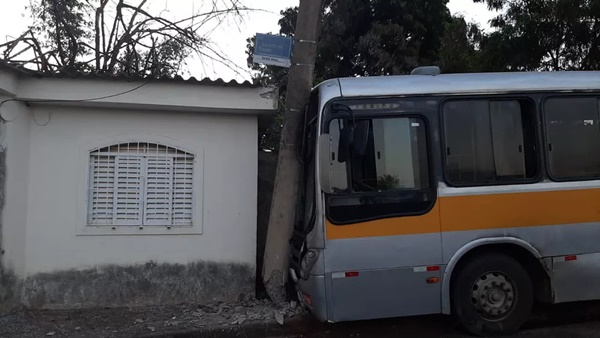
x=489, y=142
x=389, y=178
x=573, y=137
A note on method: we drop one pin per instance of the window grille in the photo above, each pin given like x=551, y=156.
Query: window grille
x=141, y=184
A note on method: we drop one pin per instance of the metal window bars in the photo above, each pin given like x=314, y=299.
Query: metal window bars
x=141, y=184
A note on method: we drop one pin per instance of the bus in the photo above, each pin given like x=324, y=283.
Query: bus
x=472, y=195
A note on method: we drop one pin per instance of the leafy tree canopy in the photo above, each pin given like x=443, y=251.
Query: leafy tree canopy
x=544, y=34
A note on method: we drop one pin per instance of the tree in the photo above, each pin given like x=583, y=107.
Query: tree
x=460, y=46
x=362, y=38
x=379, y=37
x=115, y=37
x=545, y=34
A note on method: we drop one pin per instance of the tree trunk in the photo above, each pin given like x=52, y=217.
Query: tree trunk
x=285, y=191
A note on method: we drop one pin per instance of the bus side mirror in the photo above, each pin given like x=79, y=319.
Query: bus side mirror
x=324, y=155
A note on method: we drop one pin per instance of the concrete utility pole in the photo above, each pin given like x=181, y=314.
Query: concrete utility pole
x=285, y=191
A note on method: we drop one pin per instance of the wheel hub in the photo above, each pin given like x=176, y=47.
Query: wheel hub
x=493, y=295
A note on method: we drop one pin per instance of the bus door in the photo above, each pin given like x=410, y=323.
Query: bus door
x=383, y=246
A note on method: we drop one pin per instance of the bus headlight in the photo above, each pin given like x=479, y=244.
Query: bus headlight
x=308, y=261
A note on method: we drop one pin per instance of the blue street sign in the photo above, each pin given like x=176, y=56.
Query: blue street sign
x=273, y=50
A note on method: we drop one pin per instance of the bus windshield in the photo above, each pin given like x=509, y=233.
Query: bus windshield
x=392, y=155
x=383, y=171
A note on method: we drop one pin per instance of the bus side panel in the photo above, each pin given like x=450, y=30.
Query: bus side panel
x=571, y=279
x=576, y=279
x=549, y=241
x=370, y=294
x=378, y=277
x=371, y=253
x=558, y=219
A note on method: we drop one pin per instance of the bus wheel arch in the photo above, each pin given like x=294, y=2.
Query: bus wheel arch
x=516, y=248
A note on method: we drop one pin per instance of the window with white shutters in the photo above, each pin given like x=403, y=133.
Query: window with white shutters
x=141, y=184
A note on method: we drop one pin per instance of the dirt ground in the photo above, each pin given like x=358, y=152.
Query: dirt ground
x=259, y=318
x=576, y=320
x=147, y=321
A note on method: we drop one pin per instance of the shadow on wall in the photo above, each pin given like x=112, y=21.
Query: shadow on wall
x=9, y=286
x=8, y=281
x=267, y=165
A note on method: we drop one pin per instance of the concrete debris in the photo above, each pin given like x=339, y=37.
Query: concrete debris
x=278, y=317
x=139, y=321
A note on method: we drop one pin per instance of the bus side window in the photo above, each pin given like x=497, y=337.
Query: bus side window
x=489, y=141
x=573, y=137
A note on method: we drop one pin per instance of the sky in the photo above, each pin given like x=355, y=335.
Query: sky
x=230, y=36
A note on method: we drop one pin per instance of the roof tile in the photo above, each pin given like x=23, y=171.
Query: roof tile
x=124, y=77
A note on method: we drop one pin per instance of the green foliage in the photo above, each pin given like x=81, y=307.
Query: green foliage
x=544, y=34
x=386, y=37
x=459, y=45
x=62, y=25
x=388, y=182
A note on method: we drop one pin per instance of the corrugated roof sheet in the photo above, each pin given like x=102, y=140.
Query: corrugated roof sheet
x=124, y=77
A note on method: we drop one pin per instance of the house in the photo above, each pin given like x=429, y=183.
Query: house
x=118, y=191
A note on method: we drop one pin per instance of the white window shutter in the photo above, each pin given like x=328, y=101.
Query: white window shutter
x=128, y=191
x=158, y=190
x=141, y=184
x=101, y=194
x=183, y=175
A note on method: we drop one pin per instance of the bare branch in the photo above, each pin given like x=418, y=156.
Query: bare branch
x=132, y=41
x=97, y=24
x=114, y=30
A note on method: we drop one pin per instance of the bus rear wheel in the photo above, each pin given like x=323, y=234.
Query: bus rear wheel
x=492, y=295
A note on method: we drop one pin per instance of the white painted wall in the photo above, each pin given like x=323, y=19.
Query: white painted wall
x=14, y=138
x=56, y=190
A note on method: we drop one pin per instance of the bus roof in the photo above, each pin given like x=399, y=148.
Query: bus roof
x=468, y=83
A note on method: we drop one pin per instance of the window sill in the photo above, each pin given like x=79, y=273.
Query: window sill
x=124, y=230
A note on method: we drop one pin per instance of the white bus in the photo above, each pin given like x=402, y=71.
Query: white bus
x=467, y=194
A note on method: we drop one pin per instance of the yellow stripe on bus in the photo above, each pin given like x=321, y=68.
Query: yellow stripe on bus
x=428, y=223
x=481, y=212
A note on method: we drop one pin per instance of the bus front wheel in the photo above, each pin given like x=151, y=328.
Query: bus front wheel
x=492, y=294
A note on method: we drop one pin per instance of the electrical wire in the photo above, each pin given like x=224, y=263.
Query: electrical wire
x=38, y=124
x=70, y=100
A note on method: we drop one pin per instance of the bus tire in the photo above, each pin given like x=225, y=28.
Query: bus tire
x=492, y=294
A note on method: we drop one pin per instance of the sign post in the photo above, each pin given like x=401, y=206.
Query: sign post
x=273, y=50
